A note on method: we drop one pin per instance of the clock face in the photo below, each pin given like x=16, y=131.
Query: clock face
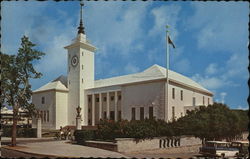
x=74, y=61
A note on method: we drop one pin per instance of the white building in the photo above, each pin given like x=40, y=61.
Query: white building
x=135, y=96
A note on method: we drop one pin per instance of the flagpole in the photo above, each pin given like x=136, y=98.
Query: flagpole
x=167, y=67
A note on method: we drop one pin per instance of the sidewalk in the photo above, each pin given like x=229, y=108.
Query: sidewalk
x=7, y=140
x=63, y=149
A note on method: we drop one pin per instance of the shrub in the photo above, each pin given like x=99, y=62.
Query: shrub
x=82, y=135
x=21, y=132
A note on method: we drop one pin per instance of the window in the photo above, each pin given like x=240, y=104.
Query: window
x=173, y=113
x=208, y=101
x=112, y=98
x=82, y=67
x=133, y=114
x=43, y=100
x=105, y=115
x=44, y=116
x=181, y=114
x=82, y=80
x=47, y=116
x=89, y=110
x=119, y=97
x=151, y=112
x=112, y=115
x=82, y=53
x=89, y=99
x=181, y=95
x=203, y=100
x=194, y=101
x=119, y=115
x=104, y=99
x=142, y=113
x=97, y=100
x=173, y=93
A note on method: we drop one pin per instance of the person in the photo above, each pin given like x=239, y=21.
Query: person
x=69, y=133
x=61, y=132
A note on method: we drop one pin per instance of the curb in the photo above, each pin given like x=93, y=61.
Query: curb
x=36, y=154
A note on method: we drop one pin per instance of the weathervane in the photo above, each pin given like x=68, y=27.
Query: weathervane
x=81, y=27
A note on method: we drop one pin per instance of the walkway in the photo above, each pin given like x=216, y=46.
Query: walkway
x=62, y=149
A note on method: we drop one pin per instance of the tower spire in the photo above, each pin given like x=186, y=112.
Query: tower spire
x=81, y=27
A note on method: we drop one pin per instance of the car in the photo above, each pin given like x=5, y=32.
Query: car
x=242, y=146
x=218, y=149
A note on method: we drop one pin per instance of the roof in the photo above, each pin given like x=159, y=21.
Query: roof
x=152, y=73
x=218, y=142
x=56, y=84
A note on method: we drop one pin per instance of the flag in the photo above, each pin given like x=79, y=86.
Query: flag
x=170, y=42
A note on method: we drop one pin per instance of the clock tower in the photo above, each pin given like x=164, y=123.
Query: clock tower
x=80, y=74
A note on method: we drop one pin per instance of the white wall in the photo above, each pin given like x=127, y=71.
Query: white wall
x=61, y=109
x=143, y=95
x=48, y=105
x=188, y=95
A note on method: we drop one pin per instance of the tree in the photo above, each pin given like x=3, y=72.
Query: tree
x=17, y=70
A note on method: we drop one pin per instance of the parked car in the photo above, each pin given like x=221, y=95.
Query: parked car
x=242, y=146
x=218, y=149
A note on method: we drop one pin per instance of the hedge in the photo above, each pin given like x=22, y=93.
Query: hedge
x=21, y=132
x=82, y=135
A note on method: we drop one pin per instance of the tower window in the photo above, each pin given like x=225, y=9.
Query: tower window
x=173, y=93
x=119, y=97
x=43, y=100
x=151, y=112
x=112, y=98
x=173, y=113
x=133, y=114
x=104, y=99
x=181, y=95
x=47, y=116
x=141, y=113
x=194, y=101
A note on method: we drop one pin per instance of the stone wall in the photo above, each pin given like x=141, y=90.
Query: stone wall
x=129, y=144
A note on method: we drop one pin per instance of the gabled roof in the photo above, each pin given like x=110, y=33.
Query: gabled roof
x=54, y=85
x=152, y=73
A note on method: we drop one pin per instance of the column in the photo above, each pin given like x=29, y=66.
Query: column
x=100, y=106
x=116, y=105
x=108, y=105
x=93, y=109
x=39, y=127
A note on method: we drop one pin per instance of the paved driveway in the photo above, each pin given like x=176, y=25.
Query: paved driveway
x=64, y=149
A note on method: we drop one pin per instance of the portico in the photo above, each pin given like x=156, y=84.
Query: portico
x=103, y=105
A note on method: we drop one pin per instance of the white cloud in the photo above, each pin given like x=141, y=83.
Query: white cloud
x=117, y=26
x=223, y=95
x=130, y=68
x=226, y=27
x=242, y=108
x=211, y=82
x=211, y=69
x=165, y=15
x=236, y=67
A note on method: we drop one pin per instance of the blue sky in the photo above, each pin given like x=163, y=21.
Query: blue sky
x=211, y=39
